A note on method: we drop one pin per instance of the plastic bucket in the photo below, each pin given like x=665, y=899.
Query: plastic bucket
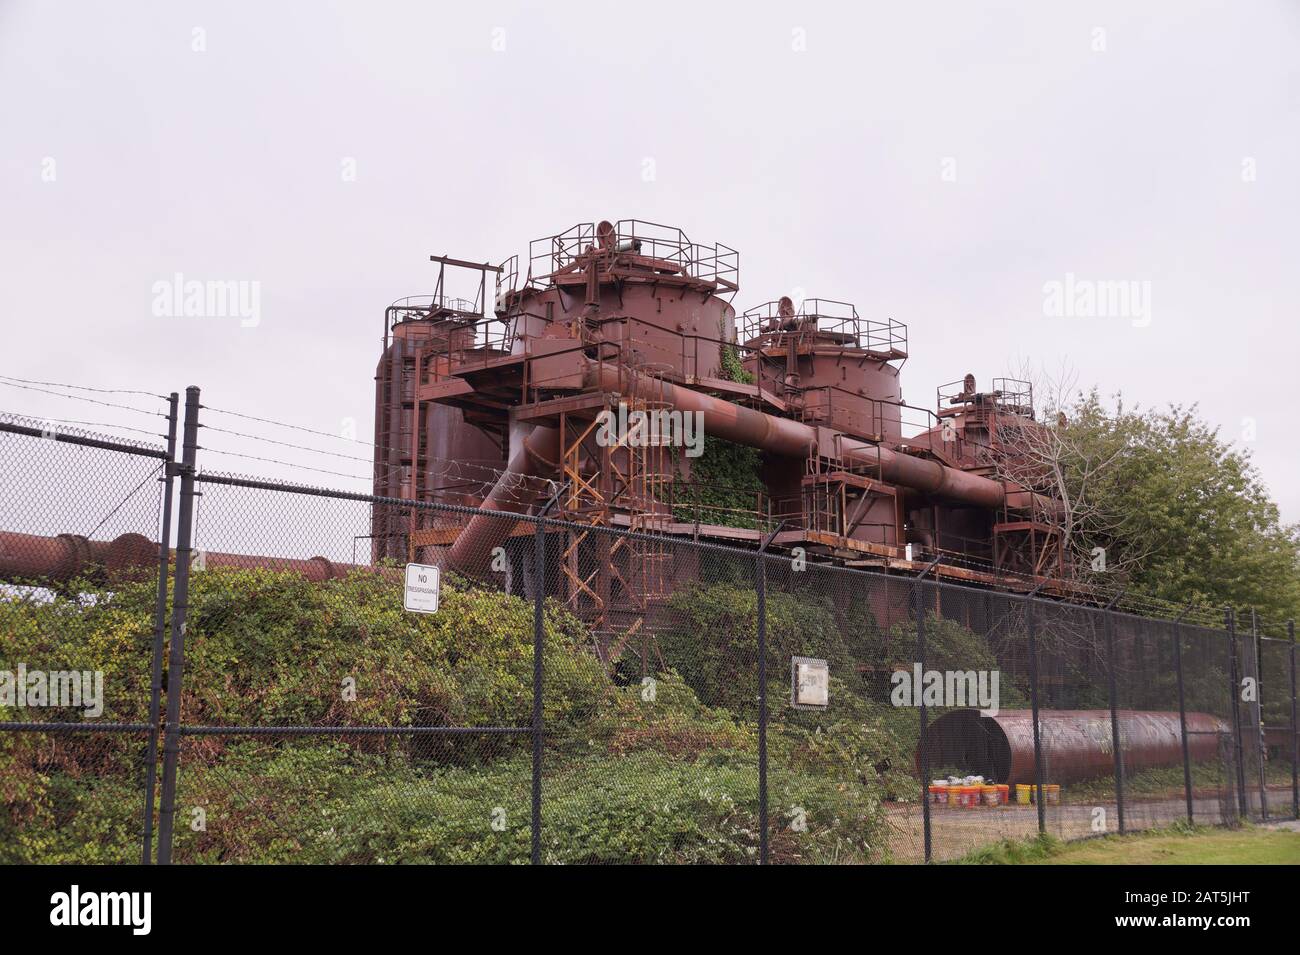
x=938, y=794
x=1051, y=794
x=1024, y=794
x=1004, y=794
x=972, y=794
x=991, y=795
x=954, y=796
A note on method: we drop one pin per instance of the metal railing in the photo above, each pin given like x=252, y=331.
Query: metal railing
x=830, y=321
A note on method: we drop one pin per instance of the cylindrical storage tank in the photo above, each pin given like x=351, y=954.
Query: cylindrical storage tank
x=834, y=364
x=645, y=288
x=660, y=326
x=455, y=457
x=858, y=394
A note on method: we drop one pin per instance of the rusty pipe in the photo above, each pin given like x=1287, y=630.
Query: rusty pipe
x=515, y=491
x=788, y=438
x=30, y=558
x=1077, y=744
x=70, y=556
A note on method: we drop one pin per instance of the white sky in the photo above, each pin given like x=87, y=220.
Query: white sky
x=822, y=166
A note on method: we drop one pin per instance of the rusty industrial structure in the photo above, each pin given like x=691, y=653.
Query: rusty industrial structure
x=631, y=317
x=502, y=403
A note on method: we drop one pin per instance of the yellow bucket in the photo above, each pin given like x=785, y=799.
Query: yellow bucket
x=1024, y=792
x=1051, y=794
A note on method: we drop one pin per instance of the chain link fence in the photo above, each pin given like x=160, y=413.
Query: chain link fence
x=583, y=693
x=82, y=605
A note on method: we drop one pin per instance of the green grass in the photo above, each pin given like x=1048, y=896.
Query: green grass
x=1178, y=845
x=1168, y=781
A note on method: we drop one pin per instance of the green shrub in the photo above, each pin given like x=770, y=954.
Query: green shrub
x=633, y=774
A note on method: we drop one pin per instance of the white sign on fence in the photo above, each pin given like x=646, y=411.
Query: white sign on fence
x=421, y=588
x=809, y=683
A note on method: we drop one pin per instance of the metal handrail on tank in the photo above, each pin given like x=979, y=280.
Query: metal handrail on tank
x=717, y=263
x=487, y=339
x=832, y=321
x=1008, y=395
x=833, y=414
x=760, y=514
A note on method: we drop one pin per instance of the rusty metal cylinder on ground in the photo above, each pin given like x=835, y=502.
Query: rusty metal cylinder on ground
x=1076, y=744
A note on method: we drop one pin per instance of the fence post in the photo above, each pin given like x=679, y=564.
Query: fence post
x=1257, y=713
x=1230, y=623
x=1295, y=736
x=539, y=629
x=761, y=581
x=180, y=609
x=924, y=717
x=1182, y=712
x=1031, y=630
x=1117, y=745
x=159, y=630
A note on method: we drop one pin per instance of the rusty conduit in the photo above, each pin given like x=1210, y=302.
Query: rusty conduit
x=46, y=560
x=782, y=436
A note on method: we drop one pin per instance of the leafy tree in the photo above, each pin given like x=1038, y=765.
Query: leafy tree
x=1194, y=507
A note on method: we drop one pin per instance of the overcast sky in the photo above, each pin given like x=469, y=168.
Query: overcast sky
x=938, y=163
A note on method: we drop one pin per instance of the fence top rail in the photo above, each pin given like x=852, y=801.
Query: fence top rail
x=1200, y=619
x=51, y=431
x=286, y=487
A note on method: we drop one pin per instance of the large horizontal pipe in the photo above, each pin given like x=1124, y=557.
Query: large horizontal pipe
x=36, y=560
x=31, y=557
x=1076, y=744
x=782, y=436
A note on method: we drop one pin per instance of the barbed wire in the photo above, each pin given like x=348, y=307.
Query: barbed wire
x=102, y=391
x=19, y=383
x=285, y=444
x=456, y=470
x=286, y=424
x=99, y=424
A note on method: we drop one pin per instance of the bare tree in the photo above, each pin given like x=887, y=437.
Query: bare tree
x=1068, y=463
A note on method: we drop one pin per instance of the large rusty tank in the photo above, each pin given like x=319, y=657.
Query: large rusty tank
x=424, y=451
x=834, y=367
x=654, y=297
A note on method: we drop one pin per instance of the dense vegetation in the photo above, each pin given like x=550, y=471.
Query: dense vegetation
x=724, y=486
x=633, y=773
